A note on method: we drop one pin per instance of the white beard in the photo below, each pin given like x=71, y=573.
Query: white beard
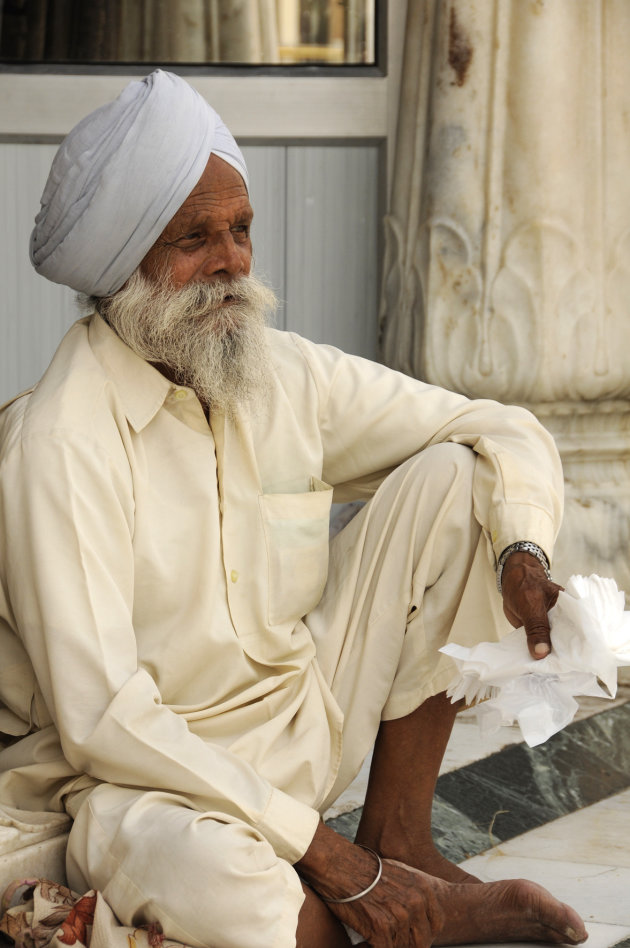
x=208, y=336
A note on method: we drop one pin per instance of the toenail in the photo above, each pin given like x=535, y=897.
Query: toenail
x=573, y=935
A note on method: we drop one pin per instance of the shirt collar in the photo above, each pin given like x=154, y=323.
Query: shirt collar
x=142, y=389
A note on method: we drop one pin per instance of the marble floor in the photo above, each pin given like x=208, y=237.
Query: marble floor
x=558, y=814
x=582, y=858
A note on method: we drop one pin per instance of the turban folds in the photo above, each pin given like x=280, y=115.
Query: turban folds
x=119, y=177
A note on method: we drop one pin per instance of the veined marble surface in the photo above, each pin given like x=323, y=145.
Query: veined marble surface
x=468, y=745
x=485, y=792
x=583, y=859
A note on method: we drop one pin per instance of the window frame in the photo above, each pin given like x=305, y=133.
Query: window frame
x=340, y=103
x=309, y=70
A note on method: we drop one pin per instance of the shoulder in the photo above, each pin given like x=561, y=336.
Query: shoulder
x=324, y=362
x=73, y=403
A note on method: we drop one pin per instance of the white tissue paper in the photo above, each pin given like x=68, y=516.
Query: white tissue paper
x=590, y=635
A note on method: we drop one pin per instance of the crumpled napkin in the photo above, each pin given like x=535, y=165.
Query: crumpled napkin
x=590, y=635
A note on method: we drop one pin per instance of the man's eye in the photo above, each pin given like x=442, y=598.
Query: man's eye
x=241, y=230
x=189, y=240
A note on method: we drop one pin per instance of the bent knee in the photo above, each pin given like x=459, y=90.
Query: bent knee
x=205, y=880
x=448, y=459
x=441, y=471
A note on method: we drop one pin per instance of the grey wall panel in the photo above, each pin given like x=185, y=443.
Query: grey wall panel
x=332, y=245
x=266, y=165
x=315, y=238
x=34, y=313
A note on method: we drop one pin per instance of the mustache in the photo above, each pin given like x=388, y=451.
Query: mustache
x=201, y=298
x=221, y=306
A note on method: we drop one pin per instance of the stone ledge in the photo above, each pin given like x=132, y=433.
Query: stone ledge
x=43, y=860
x=21, y=829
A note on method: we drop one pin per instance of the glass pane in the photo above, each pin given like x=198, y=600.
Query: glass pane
x=188, y=31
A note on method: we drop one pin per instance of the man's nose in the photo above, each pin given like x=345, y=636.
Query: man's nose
x=227, y=258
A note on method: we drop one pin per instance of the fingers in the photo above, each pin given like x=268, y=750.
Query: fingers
x=536, y=625
x=527, y=598
x=535, y=618
x=538, y=641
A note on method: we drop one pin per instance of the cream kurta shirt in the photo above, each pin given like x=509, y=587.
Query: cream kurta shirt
x=155, y=569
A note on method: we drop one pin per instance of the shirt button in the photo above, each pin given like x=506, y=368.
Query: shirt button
x=234, y=575
x=180, y=393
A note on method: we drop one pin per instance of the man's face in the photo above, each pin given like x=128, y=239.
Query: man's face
x=192, y=308
x=208, y=240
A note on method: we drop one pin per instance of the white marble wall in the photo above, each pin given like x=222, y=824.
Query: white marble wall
x=507, y=270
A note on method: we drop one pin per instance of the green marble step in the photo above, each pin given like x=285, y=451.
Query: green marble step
x=521, y=787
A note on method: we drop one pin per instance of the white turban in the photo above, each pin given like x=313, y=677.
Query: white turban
x=120, y=176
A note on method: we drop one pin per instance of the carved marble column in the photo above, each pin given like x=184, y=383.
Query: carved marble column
x=507, y=263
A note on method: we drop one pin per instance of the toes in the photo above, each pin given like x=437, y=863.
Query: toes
x=558, y=922
x=575, y=932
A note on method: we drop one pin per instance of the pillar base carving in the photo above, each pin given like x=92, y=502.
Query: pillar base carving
x=594, y=442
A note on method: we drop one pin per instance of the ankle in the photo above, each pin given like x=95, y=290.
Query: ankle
x=395, y=842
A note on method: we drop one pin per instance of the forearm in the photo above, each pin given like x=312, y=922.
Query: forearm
x=334, y=867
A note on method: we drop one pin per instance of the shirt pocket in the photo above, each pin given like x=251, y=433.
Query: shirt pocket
x=296, y=535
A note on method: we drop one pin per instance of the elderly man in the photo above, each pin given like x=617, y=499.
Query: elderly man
x=194, y=681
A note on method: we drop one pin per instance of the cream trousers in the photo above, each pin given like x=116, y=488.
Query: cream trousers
x=409, y=573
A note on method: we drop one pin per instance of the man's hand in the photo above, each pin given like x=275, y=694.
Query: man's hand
x=527, y=598
x=403, y=909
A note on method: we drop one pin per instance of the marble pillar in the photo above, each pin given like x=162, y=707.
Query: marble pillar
x=507, y=259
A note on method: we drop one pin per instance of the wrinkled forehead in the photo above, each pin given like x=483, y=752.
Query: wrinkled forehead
x=220, y=195
x=219, y=181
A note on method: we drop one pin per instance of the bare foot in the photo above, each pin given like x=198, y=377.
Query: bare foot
x=435, y=864
x=410, y=907
x=511, y=910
